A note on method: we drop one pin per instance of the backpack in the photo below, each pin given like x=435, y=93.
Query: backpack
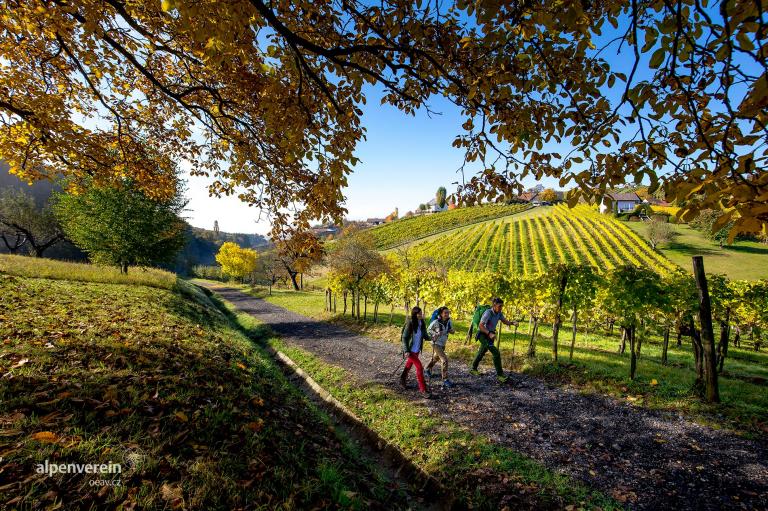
x=434, y=316
x=479, y=311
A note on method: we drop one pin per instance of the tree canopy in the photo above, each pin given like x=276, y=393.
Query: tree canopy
x=121, y=225
x=235, y=261
x=266, y=97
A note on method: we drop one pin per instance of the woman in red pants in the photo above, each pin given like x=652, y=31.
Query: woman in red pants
x=414, y=336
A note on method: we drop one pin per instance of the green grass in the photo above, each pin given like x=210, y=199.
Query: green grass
x=597, y=367
x=61, y=270
x=94, y=372
x=744, y=260
x=478, y=471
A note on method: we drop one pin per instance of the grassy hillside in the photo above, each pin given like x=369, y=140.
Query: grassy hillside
x=157, y=380
x=531, y=243
x=743, y=260
x=412, y=228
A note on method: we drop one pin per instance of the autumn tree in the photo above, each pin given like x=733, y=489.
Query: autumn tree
x=23, y=223
x=265, y=97
x=547, y=195
x=354, y=259
x=236, y=262
x=297, y=250
x=121, y=225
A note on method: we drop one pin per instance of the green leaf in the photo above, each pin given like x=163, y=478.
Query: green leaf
x=657, y=58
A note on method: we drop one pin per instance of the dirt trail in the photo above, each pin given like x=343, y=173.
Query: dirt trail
x=648, y=459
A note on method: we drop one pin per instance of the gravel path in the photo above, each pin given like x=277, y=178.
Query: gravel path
x=645, y=458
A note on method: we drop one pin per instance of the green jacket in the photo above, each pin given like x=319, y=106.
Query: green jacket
x=406, y=337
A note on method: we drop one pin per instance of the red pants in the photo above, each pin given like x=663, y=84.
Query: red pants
x=413, y=360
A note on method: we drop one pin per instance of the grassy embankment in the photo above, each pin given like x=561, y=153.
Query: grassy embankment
x=481, y=474
x=597, y=367
x=108, y=369
x=744, y=260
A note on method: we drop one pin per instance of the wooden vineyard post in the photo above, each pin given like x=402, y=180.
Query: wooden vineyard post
x=707, y=334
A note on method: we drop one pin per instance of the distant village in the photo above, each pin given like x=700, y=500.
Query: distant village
x=615, y=202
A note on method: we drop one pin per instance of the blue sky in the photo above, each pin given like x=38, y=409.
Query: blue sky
x=403, y=162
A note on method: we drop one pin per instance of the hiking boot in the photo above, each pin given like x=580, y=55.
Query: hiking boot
x=448, y=384
x=502, y=379
x=474, y=372
x=427, y=395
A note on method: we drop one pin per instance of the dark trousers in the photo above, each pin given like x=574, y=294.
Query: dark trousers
x=486, y=344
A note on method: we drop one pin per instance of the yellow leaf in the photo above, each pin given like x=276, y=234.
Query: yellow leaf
x=182, y=416
x=654, y=382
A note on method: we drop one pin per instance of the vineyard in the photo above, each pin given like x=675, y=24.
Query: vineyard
x=417, y=227
x=532, y=243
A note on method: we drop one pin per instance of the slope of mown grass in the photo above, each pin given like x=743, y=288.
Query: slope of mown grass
x=197, y=416
x=63, y=270
x=596, y=366
x=744, y=260
x=412, y=228
x=531, y=243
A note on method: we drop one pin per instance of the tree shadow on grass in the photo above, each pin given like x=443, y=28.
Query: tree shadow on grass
x=692, y=250
x=747, y=249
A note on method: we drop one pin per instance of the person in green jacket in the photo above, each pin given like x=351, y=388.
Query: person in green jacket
x=413, y=337
x=486, y=335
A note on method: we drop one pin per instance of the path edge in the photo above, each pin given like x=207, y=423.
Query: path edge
x=427, y=482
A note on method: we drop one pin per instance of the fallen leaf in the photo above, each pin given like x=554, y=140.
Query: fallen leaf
x=46, y=437
x=654, y=382
x=20, y=363
x=182, y=416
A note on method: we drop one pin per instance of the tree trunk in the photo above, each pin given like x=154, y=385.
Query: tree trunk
x=679, y=337
x=558, y=319
x=514, y=340
x=697, y=355
x=294, y=281
x=365, y=311
x=630, y=333
x=391, y=313
x=334, y=303
x=376, y=312
x=623, y=343
x=123, y=267
x=640, y=338
x=532, y=343
x=573, y=335
x=665, y=347
x=344, y=294
x=301, y=276
x=707, y=333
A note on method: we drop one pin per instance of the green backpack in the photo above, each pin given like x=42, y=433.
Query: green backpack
x=479, y=311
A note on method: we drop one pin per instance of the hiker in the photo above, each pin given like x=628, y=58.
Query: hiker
x=438, y=332
x=413, y=337
x=486, y=334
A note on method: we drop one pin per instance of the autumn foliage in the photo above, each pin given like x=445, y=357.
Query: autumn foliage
x=266, y=97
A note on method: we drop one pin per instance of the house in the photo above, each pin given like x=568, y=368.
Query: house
x=620, y=202
x=375, y=221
